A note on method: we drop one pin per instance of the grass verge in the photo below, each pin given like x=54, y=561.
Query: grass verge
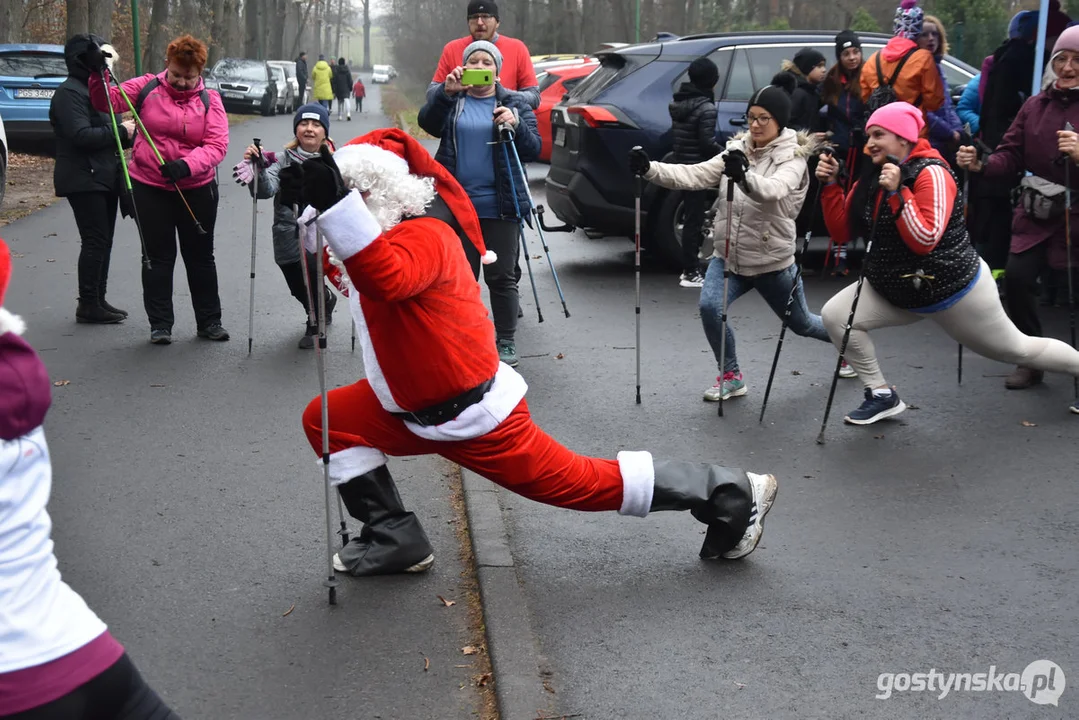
x=403, y=101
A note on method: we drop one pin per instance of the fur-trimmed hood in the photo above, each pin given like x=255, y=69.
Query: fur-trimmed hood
x=788, y=144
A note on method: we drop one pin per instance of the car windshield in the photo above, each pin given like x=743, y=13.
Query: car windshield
x=278, y=73
x=229, y=69
x=32, y=65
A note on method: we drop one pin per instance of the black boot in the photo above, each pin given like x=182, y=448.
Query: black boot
x=94, y=313
x=392, y=540
x=112, y=309
x=731, y=502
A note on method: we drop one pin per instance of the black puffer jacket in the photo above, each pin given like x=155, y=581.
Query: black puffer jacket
x=693, y=122
x=86, y=155
x=805, y=100
x=342, y=82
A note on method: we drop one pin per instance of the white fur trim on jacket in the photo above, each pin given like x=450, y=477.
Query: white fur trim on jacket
x=638, y=482
x=353, y=462
x=11, y=323
x=349, y=226
x=479, y=419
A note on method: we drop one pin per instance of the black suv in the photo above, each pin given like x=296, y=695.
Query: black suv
x=624, y=103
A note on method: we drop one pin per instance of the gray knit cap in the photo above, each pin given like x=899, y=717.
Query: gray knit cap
x=487, y=47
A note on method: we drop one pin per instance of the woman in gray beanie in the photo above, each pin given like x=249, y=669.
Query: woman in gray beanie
x=473, y=121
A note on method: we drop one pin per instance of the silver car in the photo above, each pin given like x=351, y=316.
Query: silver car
x=289, y=66
x=286, y=96
x=245, y=85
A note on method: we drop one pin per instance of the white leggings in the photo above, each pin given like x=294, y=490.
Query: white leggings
x=977, y=321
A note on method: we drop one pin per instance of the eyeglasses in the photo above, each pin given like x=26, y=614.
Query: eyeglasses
x=761, y=120
x=1061, y=60
x=483, y=16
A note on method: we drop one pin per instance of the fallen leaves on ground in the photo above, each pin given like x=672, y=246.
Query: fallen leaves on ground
x=796, y=372
x=289, y=610
x=878, y=437
x=482, y=680
x=447, y=603
x=559, y=356
x=470, y=650
x=61, y=383
x=426, y=664
x=1027, y=423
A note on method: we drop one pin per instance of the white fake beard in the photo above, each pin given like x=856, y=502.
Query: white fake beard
x=392, y=198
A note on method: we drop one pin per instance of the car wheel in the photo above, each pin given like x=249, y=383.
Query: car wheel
x=666, y=230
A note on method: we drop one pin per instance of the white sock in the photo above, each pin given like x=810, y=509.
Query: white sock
x=882, y=392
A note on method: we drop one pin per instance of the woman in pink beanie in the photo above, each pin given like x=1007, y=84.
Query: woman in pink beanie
x=1037, y=143
x=920, y=264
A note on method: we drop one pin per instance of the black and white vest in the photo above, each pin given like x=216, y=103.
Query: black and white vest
x=907, y=279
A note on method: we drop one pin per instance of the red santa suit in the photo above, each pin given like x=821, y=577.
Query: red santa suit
x=434, y=383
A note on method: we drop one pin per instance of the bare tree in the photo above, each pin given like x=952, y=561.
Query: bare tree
x=366, y=34
x=153, y=59
x=10, y=13
x=78, y=17
x=252, y=39
x=100, y=18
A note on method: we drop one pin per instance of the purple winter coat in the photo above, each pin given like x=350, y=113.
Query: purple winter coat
x=1031, y=145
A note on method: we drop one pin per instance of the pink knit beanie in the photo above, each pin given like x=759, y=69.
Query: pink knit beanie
x=1068, y=40
x=901, y=118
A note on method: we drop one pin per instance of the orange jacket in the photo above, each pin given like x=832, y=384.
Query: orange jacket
x=919, y=82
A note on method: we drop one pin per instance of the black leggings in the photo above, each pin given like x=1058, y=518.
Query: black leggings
x=95, y=216
x=119, y=693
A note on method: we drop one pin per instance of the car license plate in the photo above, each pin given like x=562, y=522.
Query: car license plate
x=560, y=136
x=233, y=95
x=33, y=94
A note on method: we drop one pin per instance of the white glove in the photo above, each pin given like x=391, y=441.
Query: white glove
x=347, y=227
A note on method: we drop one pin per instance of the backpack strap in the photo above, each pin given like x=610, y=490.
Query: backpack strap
x=899, y=67
x=155, y=82
x=880, y=73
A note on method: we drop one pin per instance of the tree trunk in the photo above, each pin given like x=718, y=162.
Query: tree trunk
x=251, y=28
x=8, y=20
x=218, y=32
x=100, y=18
x=366, y=34
x=78, y=17
x=300, y=30
x=153, y=59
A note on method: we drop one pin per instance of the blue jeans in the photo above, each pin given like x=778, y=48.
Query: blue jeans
x=774, y=287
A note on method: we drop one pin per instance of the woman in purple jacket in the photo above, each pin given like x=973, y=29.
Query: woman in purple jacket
x=189, y=127
x=57, y=658
x=1037, y=143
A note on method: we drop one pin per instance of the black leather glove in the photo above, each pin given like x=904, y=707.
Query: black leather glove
x=290, y=186
x=638, y=161
x=906, y=175
x=175, y=170
x=322, y=182
x=127, y=204
x=94, y=57
x=735, y=164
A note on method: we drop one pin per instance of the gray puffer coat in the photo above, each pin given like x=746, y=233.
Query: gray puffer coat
x=286, y=244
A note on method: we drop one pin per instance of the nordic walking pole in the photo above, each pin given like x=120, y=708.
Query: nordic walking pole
x=254, y=234
x=161, y=161
x=320, y=349
x=1068, y=249
x=539, y=226
x=726, y=279
x=127, y=176
x=507, y=137
x=853, y=307
x=794, y=289
x=311, y=320
x=637, y=182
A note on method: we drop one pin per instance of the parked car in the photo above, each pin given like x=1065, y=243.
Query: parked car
x=289, y=66
x=285, y=96
x=624, y=103
x=29, y=75
x=3, y=161
x=555, y=81
x=245, y=85
x=380, y=74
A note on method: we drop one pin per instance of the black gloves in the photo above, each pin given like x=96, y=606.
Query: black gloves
x=94, y=57
x=317, y=182
x=735, y=164
x=638, y=161
x=175, y=170
x=127, y=204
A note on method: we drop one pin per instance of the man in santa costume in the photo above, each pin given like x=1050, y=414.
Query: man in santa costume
x=434, y=382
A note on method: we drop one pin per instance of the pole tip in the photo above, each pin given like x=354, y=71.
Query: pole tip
x=820, y=438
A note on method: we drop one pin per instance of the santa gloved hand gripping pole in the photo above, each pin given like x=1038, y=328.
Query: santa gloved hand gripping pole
x=434, y=384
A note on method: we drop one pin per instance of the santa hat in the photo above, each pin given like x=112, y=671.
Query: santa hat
x=420, y=162
x=8, y=322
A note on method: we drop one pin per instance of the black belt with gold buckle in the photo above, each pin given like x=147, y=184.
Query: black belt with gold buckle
x=446, y=411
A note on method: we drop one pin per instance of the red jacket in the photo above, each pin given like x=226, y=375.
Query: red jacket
x=925, y=210
x=358, y=90
x=180, y=125
x=517, y=71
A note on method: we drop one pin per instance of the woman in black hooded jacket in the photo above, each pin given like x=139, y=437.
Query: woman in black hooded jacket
x=87, y=173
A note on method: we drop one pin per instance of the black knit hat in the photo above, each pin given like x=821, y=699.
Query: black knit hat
x=703, y=74
x=775, y=100
x=808, y=58
x=483, y=7
x=844, y=40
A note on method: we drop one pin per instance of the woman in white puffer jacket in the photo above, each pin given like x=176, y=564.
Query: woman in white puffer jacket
x=769, y=168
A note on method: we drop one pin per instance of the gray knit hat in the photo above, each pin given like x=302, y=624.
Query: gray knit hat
x=487, y=47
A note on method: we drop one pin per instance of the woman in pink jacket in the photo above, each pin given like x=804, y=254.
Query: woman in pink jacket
x=189, y=127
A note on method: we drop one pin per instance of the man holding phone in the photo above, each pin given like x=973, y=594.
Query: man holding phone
x=516, y=74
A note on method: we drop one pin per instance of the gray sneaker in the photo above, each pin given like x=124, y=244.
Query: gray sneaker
x=765, y=489
x=161, y=336
x=507, y=352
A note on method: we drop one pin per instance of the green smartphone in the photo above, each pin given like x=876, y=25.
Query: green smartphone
x=477, y=76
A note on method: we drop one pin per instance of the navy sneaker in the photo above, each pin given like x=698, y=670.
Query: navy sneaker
x=876, y=408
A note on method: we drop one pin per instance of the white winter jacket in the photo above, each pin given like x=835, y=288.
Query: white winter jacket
x=765, y=205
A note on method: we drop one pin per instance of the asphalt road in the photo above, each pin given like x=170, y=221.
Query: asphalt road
x=188, y=507
x=943, y=539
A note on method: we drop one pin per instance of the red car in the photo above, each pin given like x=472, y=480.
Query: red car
x=555, y=80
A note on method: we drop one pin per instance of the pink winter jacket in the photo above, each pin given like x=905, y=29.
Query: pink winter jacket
x=179, y=124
